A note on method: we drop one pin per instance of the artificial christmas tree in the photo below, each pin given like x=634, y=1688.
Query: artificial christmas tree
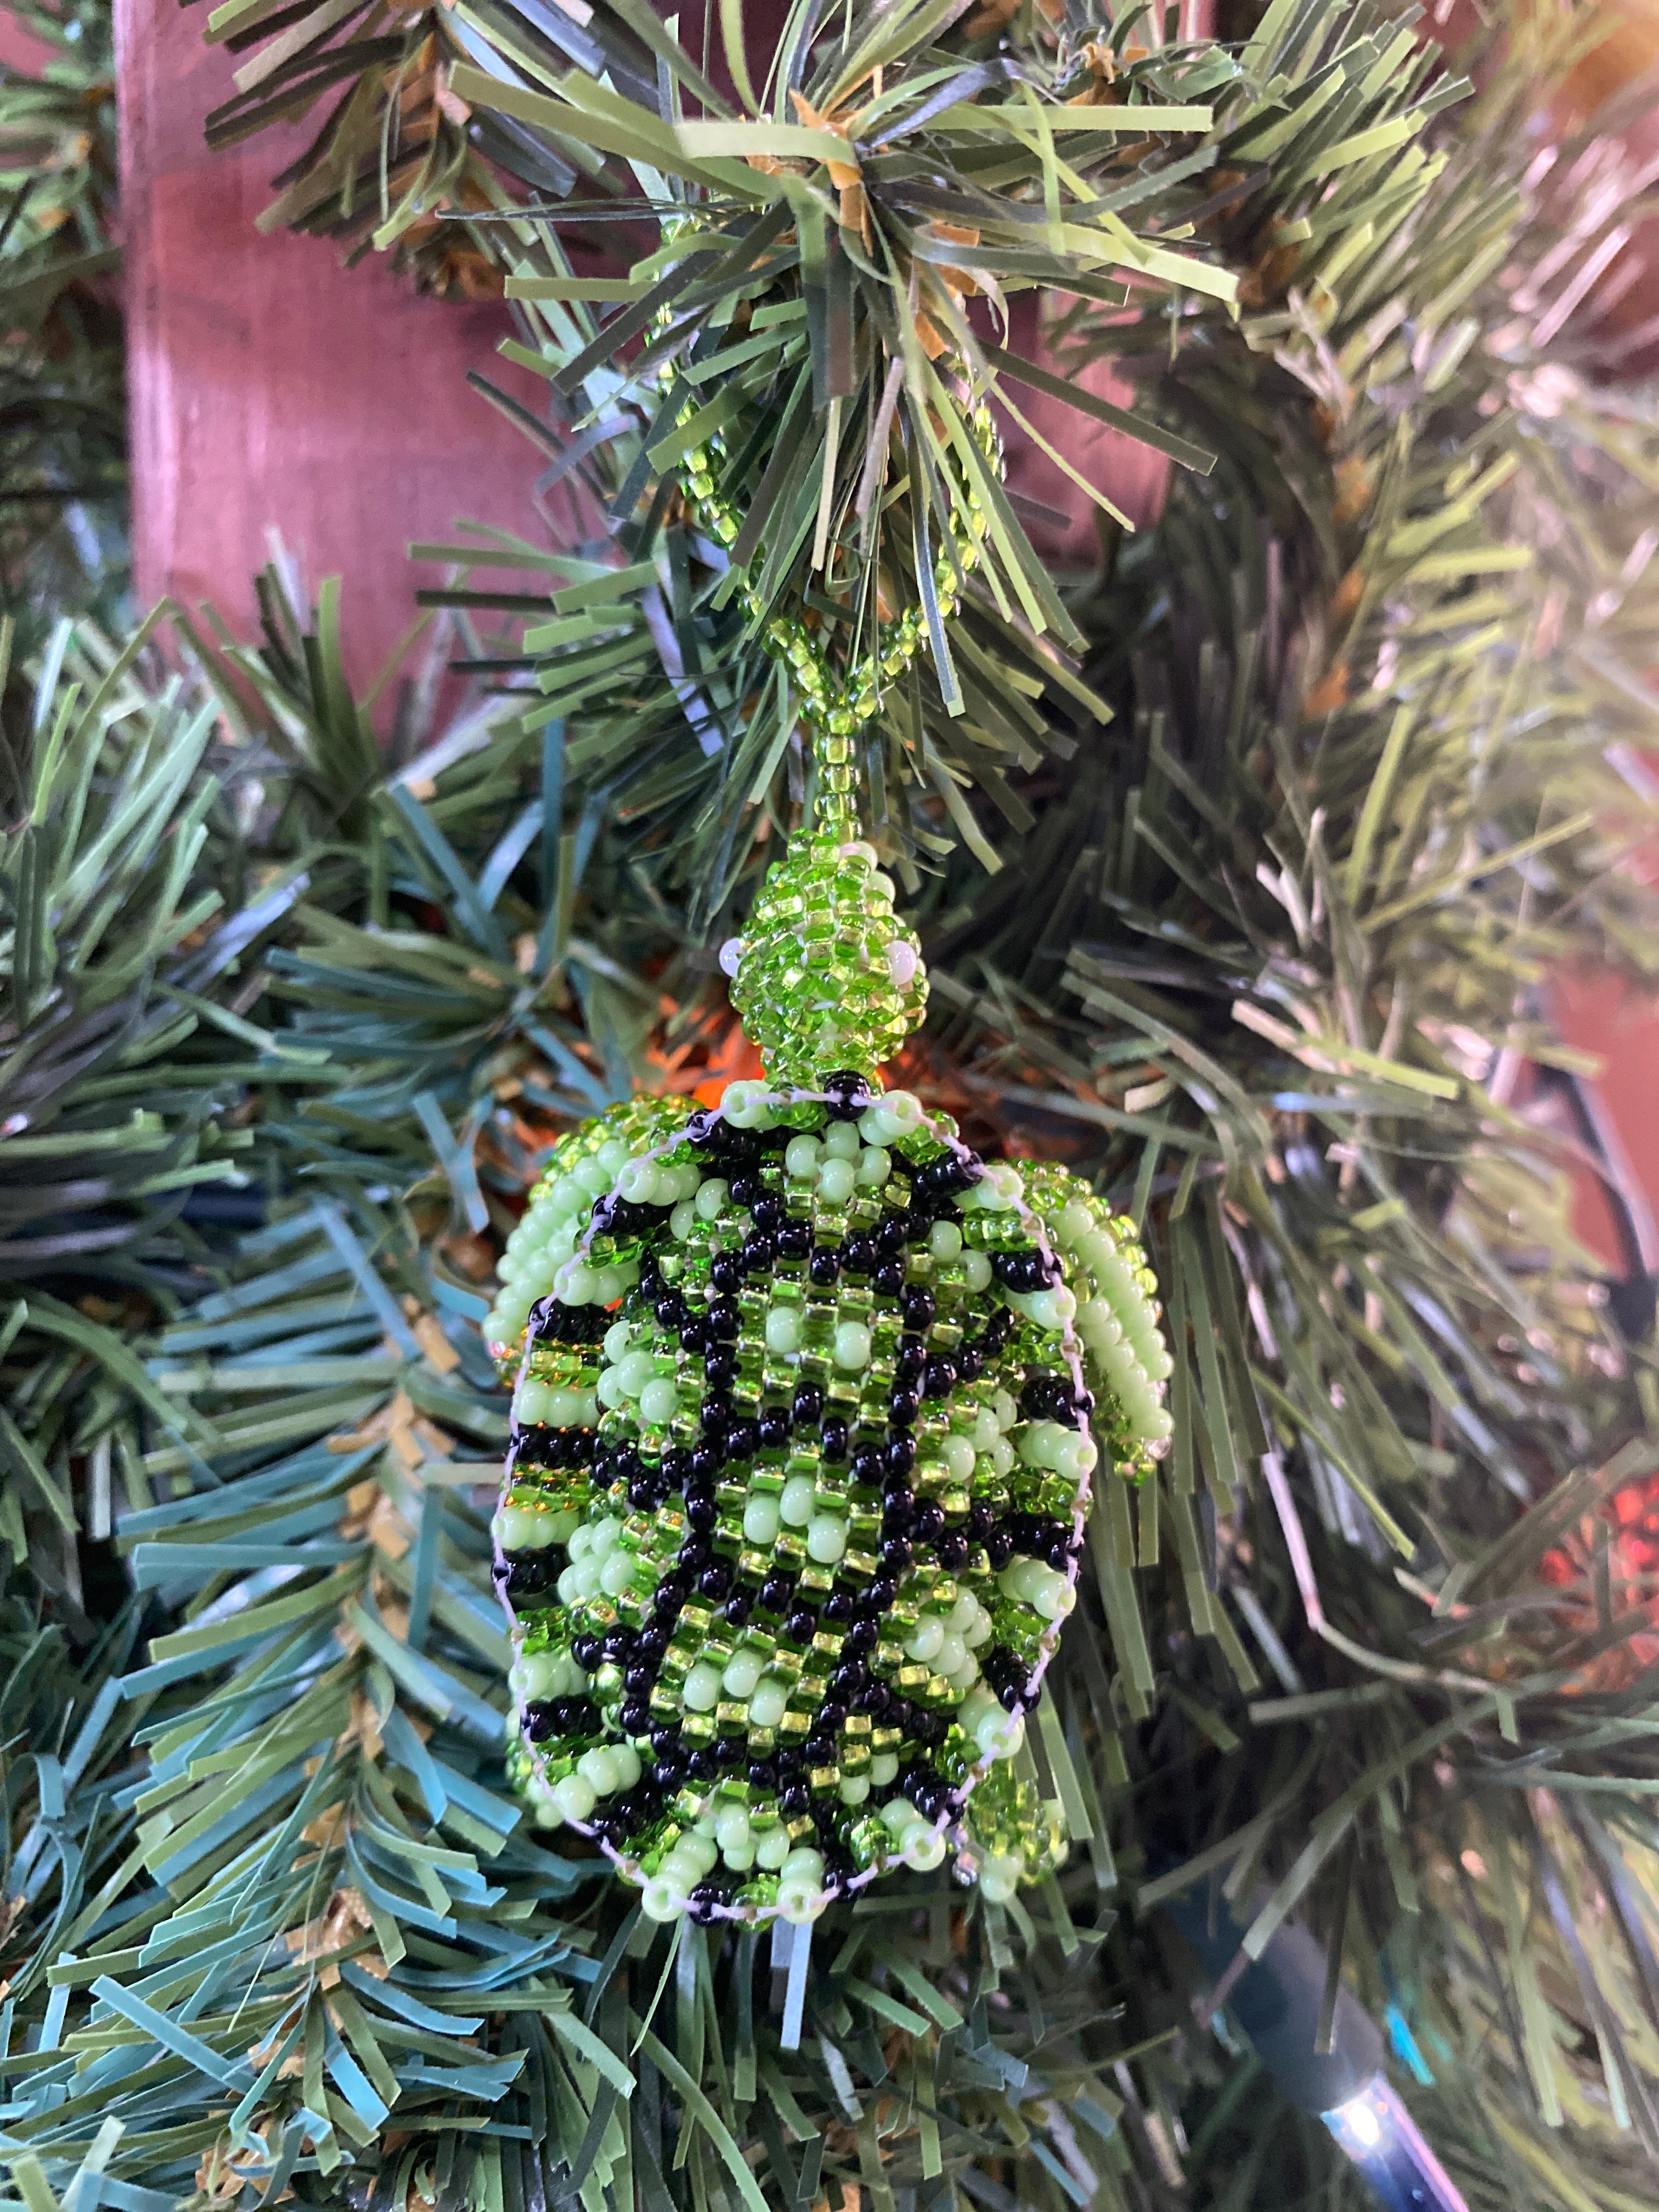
x=1237, y=863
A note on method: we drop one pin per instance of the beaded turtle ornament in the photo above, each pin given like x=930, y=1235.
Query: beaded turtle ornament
x=810, y=1399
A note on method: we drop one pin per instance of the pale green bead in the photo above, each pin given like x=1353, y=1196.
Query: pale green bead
x=921, y=1846
x=783, y=1331
x=742, y=1672
x=952, y=1652
x=633, y=1373
x=1000, y=1735
x=599, y=1769
x=944, y=1240
x=702, y=1693
x=732, y=1828
x=837, y=1180
x=874, y=1167
x=772, y=1849
x=659, y=1401
x=884, y=1769
x=957, y=1452
x=826, y=1539
x=617, y=1575
x=662, y=1899
x=930, y=1634
x=852, y=1346
x=798, y=1501
x=711, y=1197
x=769, y=1705
x=840, y=1141
x=800, y=1158
x=574, y=1796
x=760, y=1519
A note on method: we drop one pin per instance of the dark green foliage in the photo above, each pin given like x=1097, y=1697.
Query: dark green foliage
x=62, y=426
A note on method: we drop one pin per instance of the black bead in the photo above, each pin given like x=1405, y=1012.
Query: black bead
x=670, y=1596
x=649, y=1645
x=638, y=1676
x=742, y=1438
x=794, y=1240
x=903, y=1407
x=666, y=1743
x=832, y=1438
x=838, y=1607
x=768, y=1214
x=723, y=1319
x=808, y=1407
x=617, y=1641
x=929, y=1525
x=801, y=1626
x=847, y=1095
x=858, y=1256
x=643, y=1495
x=982, y=1519
x=726, y=1271
x=911, y=1364
x=940, y=1379
x=587, y=1651
x=670, y=1310
x=715, y=1581
x=539, y=1721
x=757, y=1255
x=777, y=1593
x=746, y=1191
x=830, y=1716
x=761, y=1774
x=896, y=1552
x=889, y=1277
x=714, y=1413
x=694, y=1554
x=703, y=1130
x=918, y=1307
x=898, y=1511
x=527, y=1575
x=636, y=1716
x=706, y=1465
x=880, y=1594
x=824, y=1266
x=998, y=1549
x=720, y=1368
x=699, y=1512
x=951, y=1553
x=737, y=1608
x=702, y=1766
x=868, y=1464
x=861, y=1638
x=901, y=1454
x=970, y=1362
x=774, y=1427
x=1012, y=1694
x=795, y=1799
x=890, y=1230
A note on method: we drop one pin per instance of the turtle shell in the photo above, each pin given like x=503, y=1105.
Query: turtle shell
x=810, y=1404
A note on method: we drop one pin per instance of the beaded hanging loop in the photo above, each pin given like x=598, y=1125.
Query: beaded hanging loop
x=810, y=1402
